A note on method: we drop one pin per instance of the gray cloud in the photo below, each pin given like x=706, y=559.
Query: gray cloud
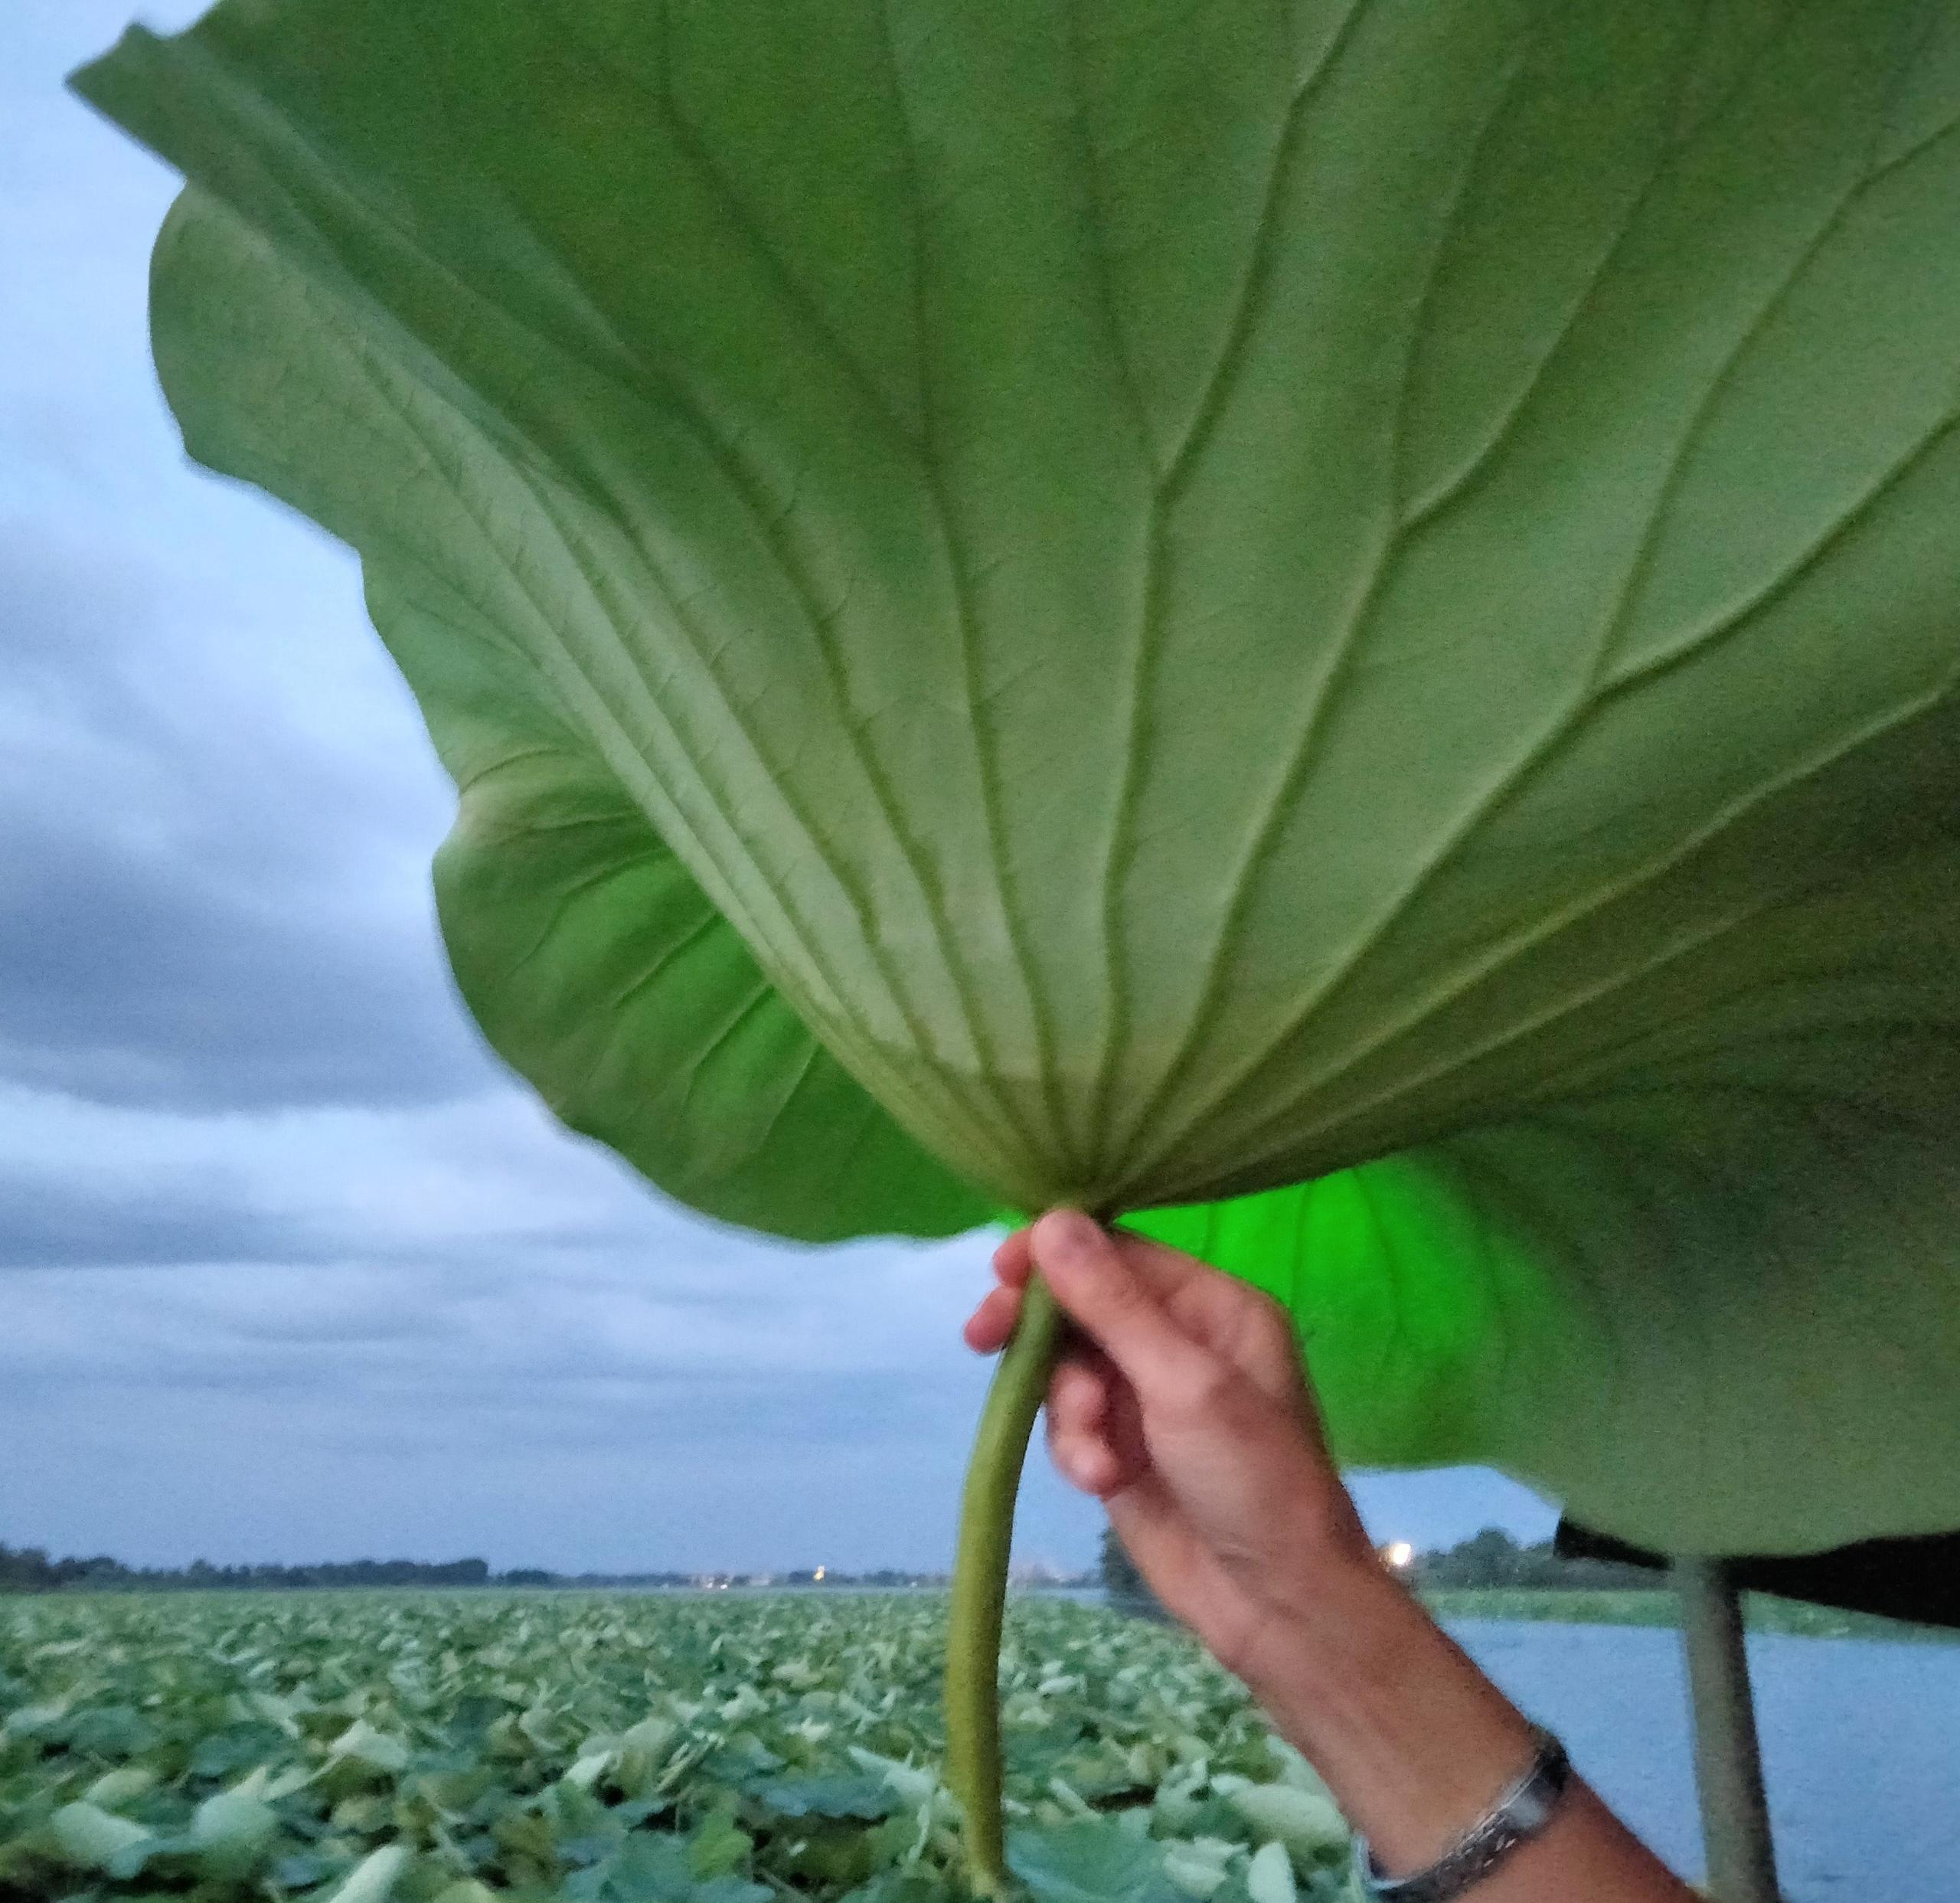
x=129, y=976
x=217, y=803
x=59, y=1221
x=190, y=883
x=656, y=1402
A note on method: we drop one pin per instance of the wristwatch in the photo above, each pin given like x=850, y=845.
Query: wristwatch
x=1518, y=1816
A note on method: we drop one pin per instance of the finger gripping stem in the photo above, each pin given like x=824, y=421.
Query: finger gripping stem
x=980, y=1581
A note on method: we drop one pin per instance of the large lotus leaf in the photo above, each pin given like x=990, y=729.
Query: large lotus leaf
x=591, y=958
x=1214, y=596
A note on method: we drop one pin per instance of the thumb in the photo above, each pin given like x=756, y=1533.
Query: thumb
x=1105, y=1298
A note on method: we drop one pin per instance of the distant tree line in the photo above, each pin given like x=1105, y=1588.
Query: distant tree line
x=29, y=1569
x=1489, y=1558
x=1492, y=1557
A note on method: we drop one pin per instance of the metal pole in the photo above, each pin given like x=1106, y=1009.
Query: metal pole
x=1728, y=1757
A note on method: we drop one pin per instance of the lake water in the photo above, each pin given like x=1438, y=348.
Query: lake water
x=1860, y=1744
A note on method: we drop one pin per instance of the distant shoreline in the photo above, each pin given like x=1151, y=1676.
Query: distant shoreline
x=1655, y=1606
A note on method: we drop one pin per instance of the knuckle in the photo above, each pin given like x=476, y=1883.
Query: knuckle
x=1201, y=1389
x=1266, y=1310
x=1073, y=1394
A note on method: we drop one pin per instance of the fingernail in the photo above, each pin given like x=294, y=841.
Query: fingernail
x=1067, y=1235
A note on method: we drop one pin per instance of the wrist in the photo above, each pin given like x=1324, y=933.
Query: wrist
x=1412, y=1740
x=1334, y=1609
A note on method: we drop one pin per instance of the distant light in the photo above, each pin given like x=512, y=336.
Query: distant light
x=1400, y=1554
x=818, y=1573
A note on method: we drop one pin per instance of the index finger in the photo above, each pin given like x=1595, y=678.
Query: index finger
x=1096, y=1286
x=1014, y=1260
x=990, y=1325
x=1161, y=1268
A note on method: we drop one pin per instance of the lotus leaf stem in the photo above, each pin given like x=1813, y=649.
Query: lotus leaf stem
x=980, y=1582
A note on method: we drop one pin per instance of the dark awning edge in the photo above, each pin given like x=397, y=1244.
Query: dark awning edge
x=1915, y=1577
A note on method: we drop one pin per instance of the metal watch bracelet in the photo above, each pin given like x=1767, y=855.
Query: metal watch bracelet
x=1523, y=1810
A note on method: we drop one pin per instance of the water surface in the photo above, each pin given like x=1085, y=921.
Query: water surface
x=1861, y=1744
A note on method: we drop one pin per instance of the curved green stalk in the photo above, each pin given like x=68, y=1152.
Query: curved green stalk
x=980, y=1581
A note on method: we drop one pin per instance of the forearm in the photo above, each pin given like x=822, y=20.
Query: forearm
x=1415, y=1745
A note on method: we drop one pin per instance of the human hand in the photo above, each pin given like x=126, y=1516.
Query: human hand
x=1179, y=1403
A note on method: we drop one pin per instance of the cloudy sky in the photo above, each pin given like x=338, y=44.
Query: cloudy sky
x=290, y=1267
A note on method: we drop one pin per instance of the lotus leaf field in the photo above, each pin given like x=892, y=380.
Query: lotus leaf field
x=614, y=1748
